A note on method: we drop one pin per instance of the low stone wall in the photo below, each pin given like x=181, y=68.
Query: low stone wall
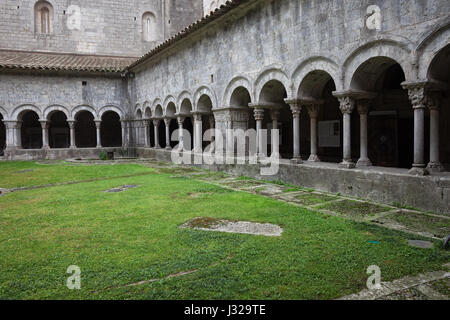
x=383, y=185
x=59, y=154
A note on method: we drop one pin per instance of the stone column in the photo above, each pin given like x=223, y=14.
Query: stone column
x=198, y=132
x=167, y=127
x=363, y=110
x=13, y=136
x=259, y=117
x=275, y=115
x=123, y=125
x=147, y=133
x=212, y=124
x=98, y=124
x=156, y=130
x=45, y=125
x=180, y=121
x=313, y=111
x=72, y=133
x=418, y=98
x=347, y=105
x=435, y=161
x=296, y=109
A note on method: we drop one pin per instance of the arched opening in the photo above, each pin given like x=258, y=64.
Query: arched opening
x=150, y=134
x=161, y=128
x=439, y=70
x=240, y=98
x=273, y=95
x=85, y=130
x=316, y=89
x=111, y=130
x=139, y=138
x=204, y=107
x=31, y=131
x=2, y=136
x=43, y=17
x=59, y=131
x=149, y=27
x=391, y=117
x=185, y=111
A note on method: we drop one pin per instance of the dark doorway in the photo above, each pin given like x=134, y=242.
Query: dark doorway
x=31, y=131
x=59, y=131
x=111, y=130
x=85, y=130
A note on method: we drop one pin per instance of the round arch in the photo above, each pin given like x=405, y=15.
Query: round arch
x=17, y=112
x=107, y=108
x=183, y=96
x=55, y=108
x=239, y=81
x=81, y=108
x=388, y=48
x=169, y=100
x=272, y=74
x=204, y=90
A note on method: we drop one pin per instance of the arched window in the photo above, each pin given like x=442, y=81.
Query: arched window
x=149, y=27
x=43, y=17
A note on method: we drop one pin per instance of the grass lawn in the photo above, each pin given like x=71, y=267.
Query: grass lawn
x=118, y=239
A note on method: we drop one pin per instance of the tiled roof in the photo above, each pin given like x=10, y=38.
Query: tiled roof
x=222, y=10
x=62, y=62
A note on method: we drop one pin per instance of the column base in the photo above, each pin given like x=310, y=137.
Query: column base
x=167, y=148
x=419, y=171
x=296, y=160
x=72, y=147
x=364, y=163
x=435, y=167
x=347, y=164
x=313, y=158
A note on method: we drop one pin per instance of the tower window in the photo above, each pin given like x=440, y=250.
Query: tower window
x=43, y=17
x=149, y=27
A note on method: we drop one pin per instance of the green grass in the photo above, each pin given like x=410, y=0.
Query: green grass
x=123, y=238
x=12, y=174
x=354, y=209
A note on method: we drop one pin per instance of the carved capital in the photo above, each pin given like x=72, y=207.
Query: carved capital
x=434, y=100
x=197, y=117
x=180, y=120
x=156, y=122
x=44, y=124
x=275, y=115
x=347, y=105
x=363, y=106
x=98, y=124
x=166, y=122
x=417, y=93
x=259, y=114
x=71, y=124
x=313, y=110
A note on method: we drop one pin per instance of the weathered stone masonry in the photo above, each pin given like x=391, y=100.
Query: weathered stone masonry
x=349, y=84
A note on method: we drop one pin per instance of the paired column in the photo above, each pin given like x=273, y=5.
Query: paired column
x=296, y=109
x=72, y=133
x=123, y=125
x=98, y=124
x=275, y=115
x=198, y=132
x=259, y=117
x=313, y=111
x=45, y=125
x=347, y=105
x=147, y=133
x=433, y=105
x=180, y=121
x=418, y=98
x=167, y=127
x=363, y=110
x=156, y=123
x=13, y=136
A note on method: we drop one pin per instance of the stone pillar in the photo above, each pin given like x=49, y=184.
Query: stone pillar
x=72, y=134
x=123, y=125
x=435, y=161
x=313, y=111
x=198, y=132
x=347, y=105
x=98, y=124
x=13, y=136
x=275, y=115
x=180, y=121
x=259, y=117
x=147, y=133
x=363, y=110
x=167, y=127
x=296, y=109
x=418, y=98
x=45, y=125
x=156, y=130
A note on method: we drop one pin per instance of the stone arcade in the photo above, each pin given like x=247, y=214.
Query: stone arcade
x=360, y=90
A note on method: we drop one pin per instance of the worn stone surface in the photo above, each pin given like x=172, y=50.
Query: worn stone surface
x=420, y=244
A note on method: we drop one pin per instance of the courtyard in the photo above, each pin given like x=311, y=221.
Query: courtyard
x=146, y=230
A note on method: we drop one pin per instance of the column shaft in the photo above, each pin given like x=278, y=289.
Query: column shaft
x=347, y=105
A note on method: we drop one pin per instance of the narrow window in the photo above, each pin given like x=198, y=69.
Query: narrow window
x=45, y=20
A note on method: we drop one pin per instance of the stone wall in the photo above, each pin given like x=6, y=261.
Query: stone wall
x=105, y=27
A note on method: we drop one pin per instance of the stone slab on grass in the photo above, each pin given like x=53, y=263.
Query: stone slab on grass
x=308, y=198
x=354, y=209
x=240, y=184
x=120, y=189
x=240, y=227
x=428, y=225
x=420, y=244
